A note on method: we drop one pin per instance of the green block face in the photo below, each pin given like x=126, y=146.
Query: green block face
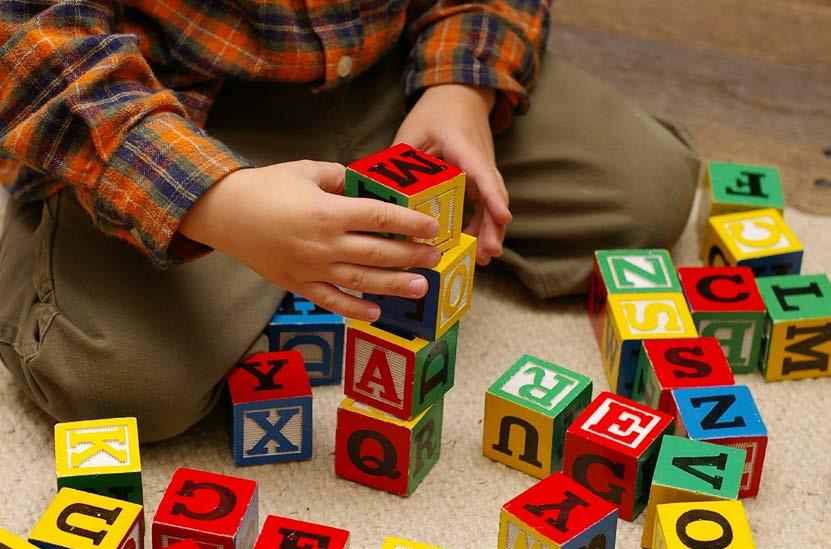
x=796, y=297
x=745, y=186
x=646, y=471
x=435, y=370
x=637, y=271
x=357, y=185
x=123, y=486
x=425, y=445
x=740, y=335
x=699, y=467
x=646, y=389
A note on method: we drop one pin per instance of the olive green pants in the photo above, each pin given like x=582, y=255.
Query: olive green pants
x=89, y=328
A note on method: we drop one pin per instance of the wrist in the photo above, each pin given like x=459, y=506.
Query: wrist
x=205, y=221
x=486, y=97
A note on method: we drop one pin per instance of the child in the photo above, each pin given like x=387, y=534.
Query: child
x=101, y=115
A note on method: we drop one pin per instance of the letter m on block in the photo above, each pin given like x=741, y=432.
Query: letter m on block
x=806, y=342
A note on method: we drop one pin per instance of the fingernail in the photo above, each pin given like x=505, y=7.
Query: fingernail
x=418, y=286
x=435, y=257
x=373, y=313
x=434, y=229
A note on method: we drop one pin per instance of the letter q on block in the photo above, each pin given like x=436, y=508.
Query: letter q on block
x=611, y=448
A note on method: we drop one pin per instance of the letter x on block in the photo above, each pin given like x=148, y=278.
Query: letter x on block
x=272, y=409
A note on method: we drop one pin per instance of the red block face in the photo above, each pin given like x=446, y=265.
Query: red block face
x=372, y=452
x=378, y=372
x=611, y=447
x=286, y=533
x=755, y=447
x=597, y=302
x=687, y=362
x=721, y=289
x=211, y=509
x=269, y=376
x=405, y=169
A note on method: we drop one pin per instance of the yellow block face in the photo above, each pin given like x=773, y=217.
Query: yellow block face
x=610, y=349
x=526, y=434
x=515, y=534
x=757, y=233
x=87, y=521
x=684, y=525
x=456, y=288
x=104, y=446
x=444, y=203
x=400, y=543
x=9, y=540
x=659, y=495
x=363, y=409
x=783, y=363
x=651, y=316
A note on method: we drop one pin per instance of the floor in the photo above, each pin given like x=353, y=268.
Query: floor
x=753, y=82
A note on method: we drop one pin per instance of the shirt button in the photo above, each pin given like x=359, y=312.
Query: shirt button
x=345, y=66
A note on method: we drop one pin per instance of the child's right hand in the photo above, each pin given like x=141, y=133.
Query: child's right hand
x=290, y=223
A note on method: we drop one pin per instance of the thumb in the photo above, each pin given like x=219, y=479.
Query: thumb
x=329, y=176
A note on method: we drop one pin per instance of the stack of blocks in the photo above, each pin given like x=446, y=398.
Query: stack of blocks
x=398, y=369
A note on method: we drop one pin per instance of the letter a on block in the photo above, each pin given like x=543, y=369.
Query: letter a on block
x=377, y=378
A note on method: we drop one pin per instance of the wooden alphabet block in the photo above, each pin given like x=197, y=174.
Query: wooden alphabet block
x=398, y=373
x=401, y=543
x=216, y=511
x=798, y=327
x=611, y=449
x=731, y=188
x=449, y=295
x=691, y=470
x=725, y=303
x=720, y=524
x=83, y=520
x=633, y=318
x=300, y=325
x=286, y=533
x=271, y=402
x=627, y=272
x=10, y=541
x=383, y=452
x=759, y=239
x=667, y=364
x=100, y=456
x=727, y=416
x=187, y=544
x=535, y=401
x=414, y=179
x=557, y=513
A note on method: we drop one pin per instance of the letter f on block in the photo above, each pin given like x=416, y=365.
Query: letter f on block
x=97, y=441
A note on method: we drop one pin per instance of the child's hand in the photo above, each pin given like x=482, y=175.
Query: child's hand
x=290, y=224
x=451, y=121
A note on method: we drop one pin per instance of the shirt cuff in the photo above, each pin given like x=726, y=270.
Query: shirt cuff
x=153, y=178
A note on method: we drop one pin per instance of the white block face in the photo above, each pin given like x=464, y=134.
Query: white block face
x=625, y=271
x=273, y=431
x=723, y=331
x=655, y=316
x=247, y=533
x=629, y=427
x=444, y=209
x=314, y=354
x=519, y=538
x=754, y=235
x=539, y=385
x=373, y=364
x=96, y=447
x=457, y=287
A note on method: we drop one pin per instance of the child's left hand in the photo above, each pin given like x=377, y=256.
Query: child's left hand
x=451, y=121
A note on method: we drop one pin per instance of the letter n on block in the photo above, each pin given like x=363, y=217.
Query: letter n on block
x=300, y=325
x=81, y=520
x=702, y=524
x=557, y=512
x=414, y=179
x=728, y=416
x=400, y=374
x=272, y=409
x=100, y=456
x=286, y=533
x=217, y=511
x=611, y=449
x=627, y=272
x=381, y=451
x=527, y=412
x=798, y=326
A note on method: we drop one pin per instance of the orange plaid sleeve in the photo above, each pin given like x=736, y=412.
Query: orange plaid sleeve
x=80, y=103
x=496, y=44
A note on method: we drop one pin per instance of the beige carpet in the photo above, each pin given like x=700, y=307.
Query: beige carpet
x=458, y=503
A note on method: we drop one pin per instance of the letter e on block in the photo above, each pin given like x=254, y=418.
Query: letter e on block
x=286, y=533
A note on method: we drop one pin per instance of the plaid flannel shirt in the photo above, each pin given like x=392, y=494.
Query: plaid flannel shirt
x=110, y=97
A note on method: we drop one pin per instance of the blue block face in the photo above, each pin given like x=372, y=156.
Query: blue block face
x=601, y=535
x=629, y=354
x=317, y=334
x=412, y=316
x=790, y=263
x=719, y=412
x=273, y=431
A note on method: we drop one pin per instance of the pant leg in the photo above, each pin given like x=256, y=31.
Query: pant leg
x=587, y=169
x=93, y=330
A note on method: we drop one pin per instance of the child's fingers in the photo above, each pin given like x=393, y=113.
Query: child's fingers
x=330, y=176
x=378, y=281
x=475, y=224
x=368, y=215
x=336, y=301
x=375, y=251
x=489, y=185
x=489, y=244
